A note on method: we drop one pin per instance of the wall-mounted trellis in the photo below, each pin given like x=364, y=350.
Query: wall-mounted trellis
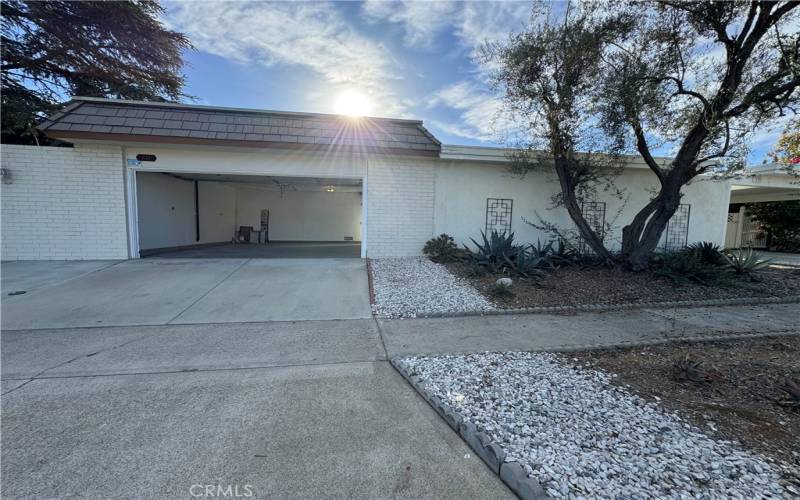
x=676, y=234
x=594, y=212
x=498, y=215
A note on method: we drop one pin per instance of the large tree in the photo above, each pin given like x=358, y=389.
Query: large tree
x=55, y=49
x=594, y=81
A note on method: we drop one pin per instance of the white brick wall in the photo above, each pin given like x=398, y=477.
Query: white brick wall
x=400, y=201
x=63, y=203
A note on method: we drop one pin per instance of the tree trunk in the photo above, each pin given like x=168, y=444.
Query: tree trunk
x=641, y=237
x=575, y=213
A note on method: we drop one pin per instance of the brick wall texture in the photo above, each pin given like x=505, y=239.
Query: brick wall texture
x=63, y=203
x=400, y=198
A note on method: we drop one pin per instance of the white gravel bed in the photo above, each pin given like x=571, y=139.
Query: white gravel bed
x=407, y=287
x=580, y=436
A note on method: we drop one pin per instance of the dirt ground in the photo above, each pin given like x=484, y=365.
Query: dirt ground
x=578, y=285
x=741, y=399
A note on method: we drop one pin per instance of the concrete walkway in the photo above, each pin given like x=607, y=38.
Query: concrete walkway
x=163, y=291
x=787, y=259
x=534, y=332
x=291, y=410
x=299, y=409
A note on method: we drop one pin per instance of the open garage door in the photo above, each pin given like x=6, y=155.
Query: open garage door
x=248, y=216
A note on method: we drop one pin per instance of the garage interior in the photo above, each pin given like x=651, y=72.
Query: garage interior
x=186, y=215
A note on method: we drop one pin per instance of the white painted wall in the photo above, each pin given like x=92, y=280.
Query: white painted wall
x=462, y=188
x=232, y=160
x=301, y=215
x=63, y=203
x=400, y=199
x=166, y=211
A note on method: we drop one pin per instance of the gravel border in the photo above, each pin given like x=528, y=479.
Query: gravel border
x=511, y=473
x=515, y=474
x=403, y=286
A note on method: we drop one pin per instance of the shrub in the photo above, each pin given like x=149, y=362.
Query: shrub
x=708, y=253
x=684, y=267
x=779, y=220
x=441, y=249
x=745, y=261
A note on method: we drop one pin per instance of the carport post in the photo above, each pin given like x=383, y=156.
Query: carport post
x=364, y=217
x=133, y=213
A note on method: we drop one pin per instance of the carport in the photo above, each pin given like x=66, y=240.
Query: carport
x=221, y=215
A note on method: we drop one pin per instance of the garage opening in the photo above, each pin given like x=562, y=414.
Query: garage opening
x=184, y=215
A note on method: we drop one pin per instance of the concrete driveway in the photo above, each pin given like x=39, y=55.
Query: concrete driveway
x=303, y=409
x=181, y=291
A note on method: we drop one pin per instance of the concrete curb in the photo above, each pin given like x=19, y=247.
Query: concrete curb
x=371, y=285
x=614, y=307
x=511, y=473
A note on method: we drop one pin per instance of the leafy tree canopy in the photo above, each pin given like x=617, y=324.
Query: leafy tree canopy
x=596, y=80
x=58, y=48
x=780, y=220
x=787, y=151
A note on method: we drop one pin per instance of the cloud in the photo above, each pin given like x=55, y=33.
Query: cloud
x=473, y=23
x=422, y=22
x=314, y=35
x=481, y=113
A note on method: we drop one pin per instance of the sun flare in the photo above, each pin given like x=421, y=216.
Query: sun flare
x=353, y=103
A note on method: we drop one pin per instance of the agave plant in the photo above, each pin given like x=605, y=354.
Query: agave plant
x=563, y=253
x=529, y=263
x=707, y=252
x=496, y=250
x=745, y=261
x=688, y=369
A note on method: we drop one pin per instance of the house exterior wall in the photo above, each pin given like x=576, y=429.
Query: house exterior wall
x=231, y=160
x=69, y=203
x=63, y=203
x=462, y=188
x=400, y=199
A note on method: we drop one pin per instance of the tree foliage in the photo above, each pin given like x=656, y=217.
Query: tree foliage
x=694, y=78
x=781, y=220
x=55, y=49
x=787, y=150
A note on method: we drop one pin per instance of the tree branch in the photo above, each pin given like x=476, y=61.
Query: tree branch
x=644, y=150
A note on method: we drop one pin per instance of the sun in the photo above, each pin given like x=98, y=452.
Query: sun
x=353, y=103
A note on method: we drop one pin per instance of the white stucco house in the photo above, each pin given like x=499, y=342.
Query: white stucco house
x=147, y=177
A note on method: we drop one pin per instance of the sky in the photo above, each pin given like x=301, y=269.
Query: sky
x=417, y=60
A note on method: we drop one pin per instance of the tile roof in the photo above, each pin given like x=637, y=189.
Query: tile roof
x=111, y=119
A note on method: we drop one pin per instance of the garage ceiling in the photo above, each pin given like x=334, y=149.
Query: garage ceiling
x=278, y=183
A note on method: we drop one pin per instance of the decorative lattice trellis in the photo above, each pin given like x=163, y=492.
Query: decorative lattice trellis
x=594, y=212
x=676, y=234
x=498, y=215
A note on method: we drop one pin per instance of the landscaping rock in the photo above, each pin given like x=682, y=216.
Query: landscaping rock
x=578, y=435
x=504, y=282
x=409, y=287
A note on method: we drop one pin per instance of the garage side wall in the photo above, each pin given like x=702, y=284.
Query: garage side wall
x=63, y=203
x=400, y=205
